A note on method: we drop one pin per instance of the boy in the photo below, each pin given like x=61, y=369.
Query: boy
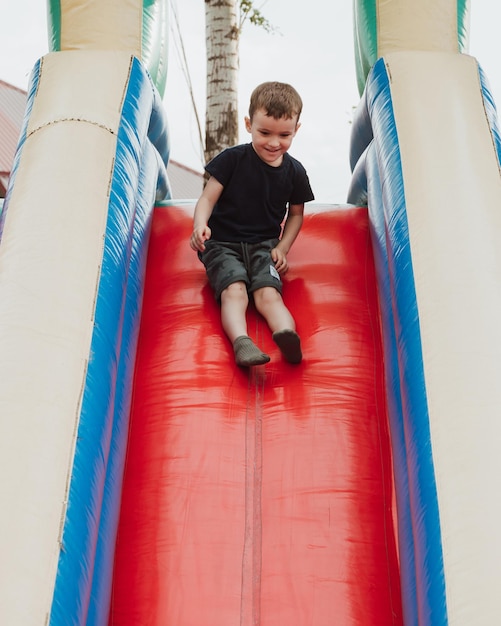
x=238, y=218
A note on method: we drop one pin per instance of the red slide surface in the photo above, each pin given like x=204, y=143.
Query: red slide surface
x=259, y=497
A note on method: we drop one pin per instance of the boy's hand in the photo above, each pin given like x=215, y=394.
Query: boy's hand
x=198, y=238
x=280, y=260
x=203, y=210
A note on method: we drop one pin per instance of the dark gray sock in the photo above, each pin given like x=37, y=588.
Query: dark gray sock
x=247, y=353
x=290, y=345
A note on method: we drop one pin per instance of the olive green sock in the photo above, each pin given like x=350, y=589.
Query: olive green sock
x=247, y=353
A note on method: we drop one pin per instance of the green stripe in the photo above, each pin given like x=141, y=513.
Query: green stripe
x=463, y=23
x=54, y=25
x=154, y=48
x=365, y=37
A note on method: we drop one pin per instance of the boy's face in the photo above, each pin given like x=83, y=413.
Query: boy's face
x=271, y=138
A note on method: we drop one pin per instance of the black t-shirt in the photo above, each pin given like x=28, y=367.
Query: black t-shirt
x=255, y=197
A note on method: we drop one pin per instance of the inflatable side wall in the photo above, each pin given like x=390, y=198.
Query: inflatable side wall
x=89, y=167
x=425, y=155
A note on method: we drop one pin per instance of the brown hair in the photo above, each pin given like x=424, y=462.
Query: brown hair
x=277, y=99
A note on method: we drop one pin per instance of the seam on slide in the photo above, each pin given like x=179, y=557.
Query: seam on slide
x=250, y=608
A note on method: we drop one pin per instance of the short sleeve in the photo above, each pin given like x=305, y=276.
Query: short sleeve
x=222, y=166
x=302, y=191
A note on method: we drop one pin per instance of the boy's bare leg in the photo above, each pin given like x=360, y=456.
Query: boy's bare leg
x=234, y=302
x=270, y=304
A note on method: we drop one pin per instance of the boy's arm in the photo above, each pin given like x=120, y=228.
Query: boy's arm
x=203, y=211
x=292, y=227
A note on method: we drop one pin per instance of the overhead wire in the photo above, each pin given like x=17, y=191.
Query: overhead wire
x=183, y=61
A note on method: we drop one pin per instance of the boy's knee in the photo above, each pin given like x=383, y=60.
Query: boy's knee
x=266, y=296
x=235, y=290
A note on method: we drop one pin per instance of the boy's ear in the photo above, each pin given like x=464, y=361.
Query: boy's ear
x=298, y=126
x=247, y=124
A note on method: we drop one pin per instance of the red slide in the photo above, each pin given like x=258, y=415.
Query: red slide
x=259, y=497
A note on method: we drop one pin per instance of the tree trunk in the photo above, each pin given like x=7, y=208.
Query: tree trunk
x=221, y=117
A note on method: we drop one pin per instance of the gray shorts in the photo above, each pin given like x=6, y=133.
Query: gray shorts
x=251, y=263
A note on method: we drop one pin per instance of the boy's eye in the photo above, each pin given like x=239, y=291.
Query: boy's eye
x=266, y=133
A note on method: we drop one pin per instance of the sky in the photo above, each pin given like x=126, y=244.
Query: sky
x=312, y=49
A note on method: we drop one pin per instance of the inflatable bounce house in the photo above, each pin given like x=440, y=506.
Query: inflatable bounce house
x=146, y=479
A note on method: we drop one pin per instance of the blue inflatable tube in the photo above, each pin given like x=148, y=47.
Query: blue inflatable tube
x=384, y=180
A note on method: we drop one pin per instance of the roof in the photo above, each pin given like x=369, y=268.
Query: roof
x=12, y=106
x=186, y=183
